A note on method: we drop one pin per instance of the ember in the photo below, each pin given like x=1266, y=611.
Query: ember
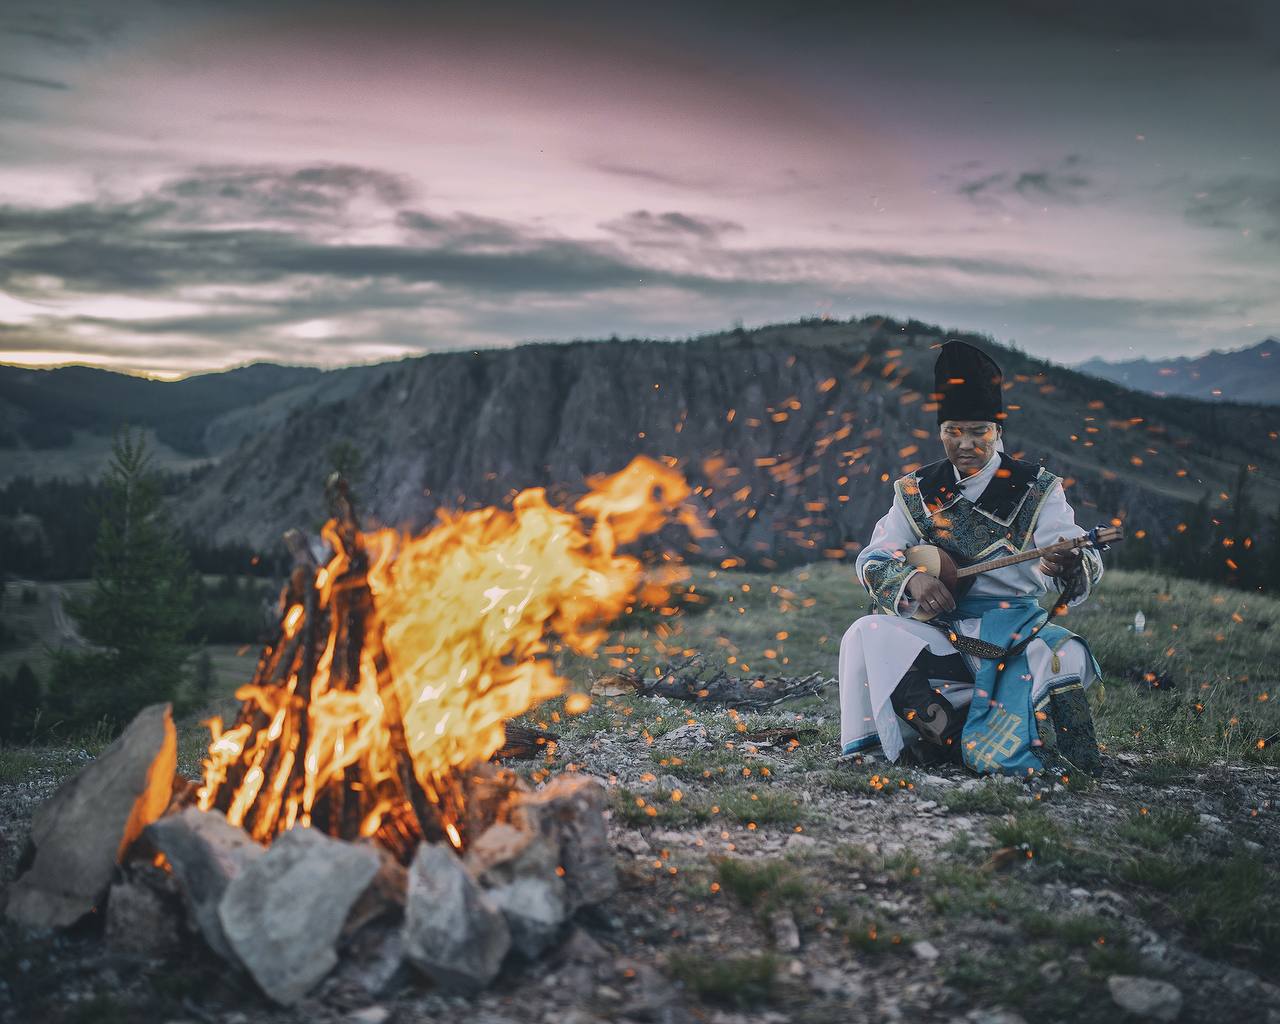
x=399, y=661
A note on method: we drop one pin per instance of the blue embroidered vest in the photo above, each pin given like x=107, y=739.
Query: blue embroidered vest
x=1002, y=520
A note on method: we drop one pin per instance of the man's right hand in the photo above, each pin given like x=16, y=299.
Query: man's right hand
x=929, y=591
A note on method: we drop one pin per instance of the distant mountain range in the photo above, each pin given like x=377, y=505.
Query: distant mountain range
x=1245, y=375
x=789, y=433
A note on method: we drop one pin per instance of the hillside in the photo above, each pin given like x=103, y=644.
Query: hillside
x=790, y=434
x=59, y=423
x=1247, y=375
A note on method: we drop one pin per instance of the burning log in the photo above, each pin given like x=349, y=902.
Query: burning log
x=328, y=654
x=399, y=662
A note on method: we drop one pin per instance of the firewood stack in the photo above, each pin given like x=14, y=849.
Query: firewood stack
x=329, y=636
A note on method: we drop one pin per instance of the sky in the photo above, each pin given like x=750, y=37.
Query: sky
x=193, y=185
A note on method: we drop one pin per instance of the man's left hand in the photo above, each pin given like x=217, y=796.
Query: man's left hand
x=1061, y=565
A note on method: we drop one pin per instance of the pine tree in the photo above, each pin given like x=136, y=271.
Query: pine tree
x=203, y=678
x=1244, y=528
x=19, y=705
x=140, y=608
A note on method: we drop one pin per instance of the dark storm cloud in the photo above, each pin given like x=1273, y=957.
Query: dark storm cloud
x=461, y=230
x=31, y=80
x=73, y=31
x=1065, y=183
x=644, y=228
x=1239, y=204
x=220, y=194
x=175, y=236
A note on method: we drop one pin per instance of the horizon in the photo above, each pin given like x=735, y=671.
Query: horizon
x=589, y=341
x=196, y=188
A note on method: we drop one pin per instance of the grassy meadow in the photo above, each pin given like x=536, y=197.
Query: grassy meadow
x=1214, y=652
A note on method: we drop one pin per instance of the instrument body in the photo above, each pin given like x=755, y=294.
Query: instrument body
x=958, y=579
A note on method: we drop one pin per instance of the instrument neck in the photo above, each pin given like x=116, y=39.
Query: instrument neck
x=1022, y=556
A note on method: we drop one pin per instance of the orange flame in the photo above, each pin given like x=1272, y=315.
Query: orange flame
x=454, y=639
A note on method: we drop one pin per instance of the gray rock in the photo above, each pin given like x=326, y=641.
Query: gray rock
x=1145, y=997
x=452, y=933
x=206, y=853
x=84, y=829
x=925, y=950
x=581, y=948
x=369, y=1015
x=142, y=921
x=383, y=898
x=282, y=914
x=569, y=811
x=517, y=870
x=373, y=960
x=786, y=936
x=686, y=737
x=646, y=994
x=994, y=1015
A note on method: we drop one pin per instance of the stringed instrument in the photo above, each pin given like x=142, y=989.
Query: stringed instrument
x=958, y=579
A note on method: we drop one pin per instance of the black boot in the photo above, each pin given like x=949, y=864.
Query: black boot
x=928, y=711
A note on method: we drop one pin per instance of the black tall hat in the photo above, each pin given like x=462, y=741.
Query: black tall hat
x=967, y=384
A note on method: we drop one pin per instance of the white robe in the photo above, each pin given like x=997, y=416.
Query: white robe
x=877, y=650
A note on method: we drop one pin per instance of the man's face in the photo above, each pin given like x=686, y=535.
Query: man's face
x=969, y=443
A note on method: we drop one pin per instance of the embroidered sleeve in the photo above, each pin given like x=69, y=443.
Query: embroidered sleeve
x=885, y=576
x=881, y=565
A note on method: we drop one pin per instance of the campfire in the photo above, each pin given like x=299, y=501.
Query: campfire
x=400, y=660
x=353, y=795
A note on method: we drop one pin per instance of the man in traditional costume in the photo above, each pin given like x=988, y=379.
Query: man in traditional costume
x=988, y=681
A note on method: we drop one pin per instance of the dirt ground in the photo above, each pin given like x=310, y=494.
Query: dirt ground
x=770, y=880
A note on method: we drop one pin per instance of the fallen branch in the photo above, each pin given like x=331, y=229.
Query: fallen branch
x=694, y=680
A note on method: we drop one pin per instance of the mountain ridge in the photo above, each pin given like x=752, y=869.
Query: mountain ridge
x=1244, y=375
x=790, y=435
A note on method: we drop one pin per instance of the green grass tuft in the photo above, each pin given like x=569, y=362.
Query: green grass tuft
x=742, y=982
x=1160, y=827
x=763, y=886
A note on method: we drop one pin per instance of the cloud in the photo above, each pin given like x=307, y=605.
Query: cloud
x=640, y=227
x=1065, y=183
x=231, y=263
x=658, y=176
x=1248, y=205
x=72, y=30
x=38, y=83
x=221, y=194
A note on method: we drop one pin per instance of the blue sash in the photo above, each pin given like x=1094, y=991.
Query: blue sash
x=1000, y=733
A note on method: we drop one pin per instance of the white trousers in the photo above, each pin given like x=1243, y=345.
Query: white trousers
x=877, y=650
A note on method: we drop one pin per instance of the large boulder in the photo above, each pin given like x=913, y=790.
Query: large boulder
x=283, y=914
x=569, y=812
x=518, y=871
x=206, y=852
x=83, y=830
x=452, y=933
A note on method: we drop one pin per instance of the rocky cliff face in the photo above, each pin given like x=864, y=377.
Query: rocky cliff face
x=791, y=436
